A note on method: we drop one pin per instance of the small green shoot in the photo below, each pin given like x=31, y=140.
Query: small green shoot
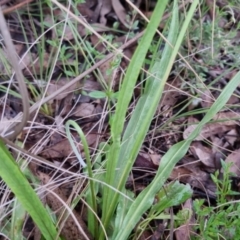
x=222, y=221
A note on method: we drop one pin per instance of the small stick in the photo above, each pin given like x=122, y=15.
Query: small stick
x=16, y=7
x=19, y=76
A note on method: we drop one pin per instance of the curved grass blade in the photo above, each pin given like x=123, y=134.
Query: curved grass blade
x=93, y=227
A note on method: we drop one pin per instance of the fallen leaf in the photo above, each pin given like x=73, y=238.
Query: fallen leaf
x=121, y=12
x=207, y=98
x=227, y=118
x=55, y=85
x=91, y=85
x=203, y=153
x=84, y=110
x=105, y=8
x=192, y=174
x=159, y=231
x=224, y=123
x=63, y=148
x=208, y=130
x=170, y=97
x=231, y=138
x=144, y=162
x=7, y=114
x=234, y=158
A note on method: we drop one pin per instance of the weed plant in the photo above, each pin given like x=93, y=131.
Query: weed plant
x=220, y=221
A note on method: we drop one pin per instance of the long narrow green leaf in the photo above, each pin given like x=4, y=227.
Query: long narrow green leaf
x=146, y=107
x=15, y=180
x=17, y=221
x=126, y=92
x=92, y=196
x=125, y=96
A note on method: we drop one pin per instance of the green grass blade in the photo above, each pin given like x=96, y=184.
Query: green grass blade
x=93, y=227
x=15, y=180
x=17, y=221
x=125, y=96
x=146, y=107
x=134, y=68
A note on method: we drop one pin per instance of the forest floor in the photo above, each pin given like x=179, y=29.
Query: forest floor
x=68, y=53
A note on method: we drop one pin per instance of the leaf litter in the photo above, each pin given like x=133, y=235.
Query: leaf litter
x=181, y=108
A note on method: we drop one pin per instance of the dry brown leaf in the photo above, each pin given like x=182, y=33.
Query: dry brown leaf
x=98, y=45
x=145, y=235
x=159, y=231
x=91, y=85
x=84, y=110
x=180, y=173
x=55, y=85
x=69, y=34
x=85, y=10
x=224, y=124
x=98, y=27
x=155, y=158
x=144, y=161
x=55, y=138
x=170, y=97
x=6, y=115
x=233, y=99
x=120, y=12
x=231, y=138
x=204, y=154
x=104, y=71
x=25, y=62
x=105, y=8
x=227, y=118
x=63, y=148
x=217, y=149
x=37, y=66
x=59, y=124
x=64, y=106
x=234, y=158
x=70, y=229
x=207, y=131
x=192, y=174
x=207, y=98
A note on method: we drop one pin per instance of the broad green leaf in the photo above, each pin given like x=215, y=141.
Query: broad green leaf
x=97, y=94
x=16, y=181
x=122, y=209
x=172, y=194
